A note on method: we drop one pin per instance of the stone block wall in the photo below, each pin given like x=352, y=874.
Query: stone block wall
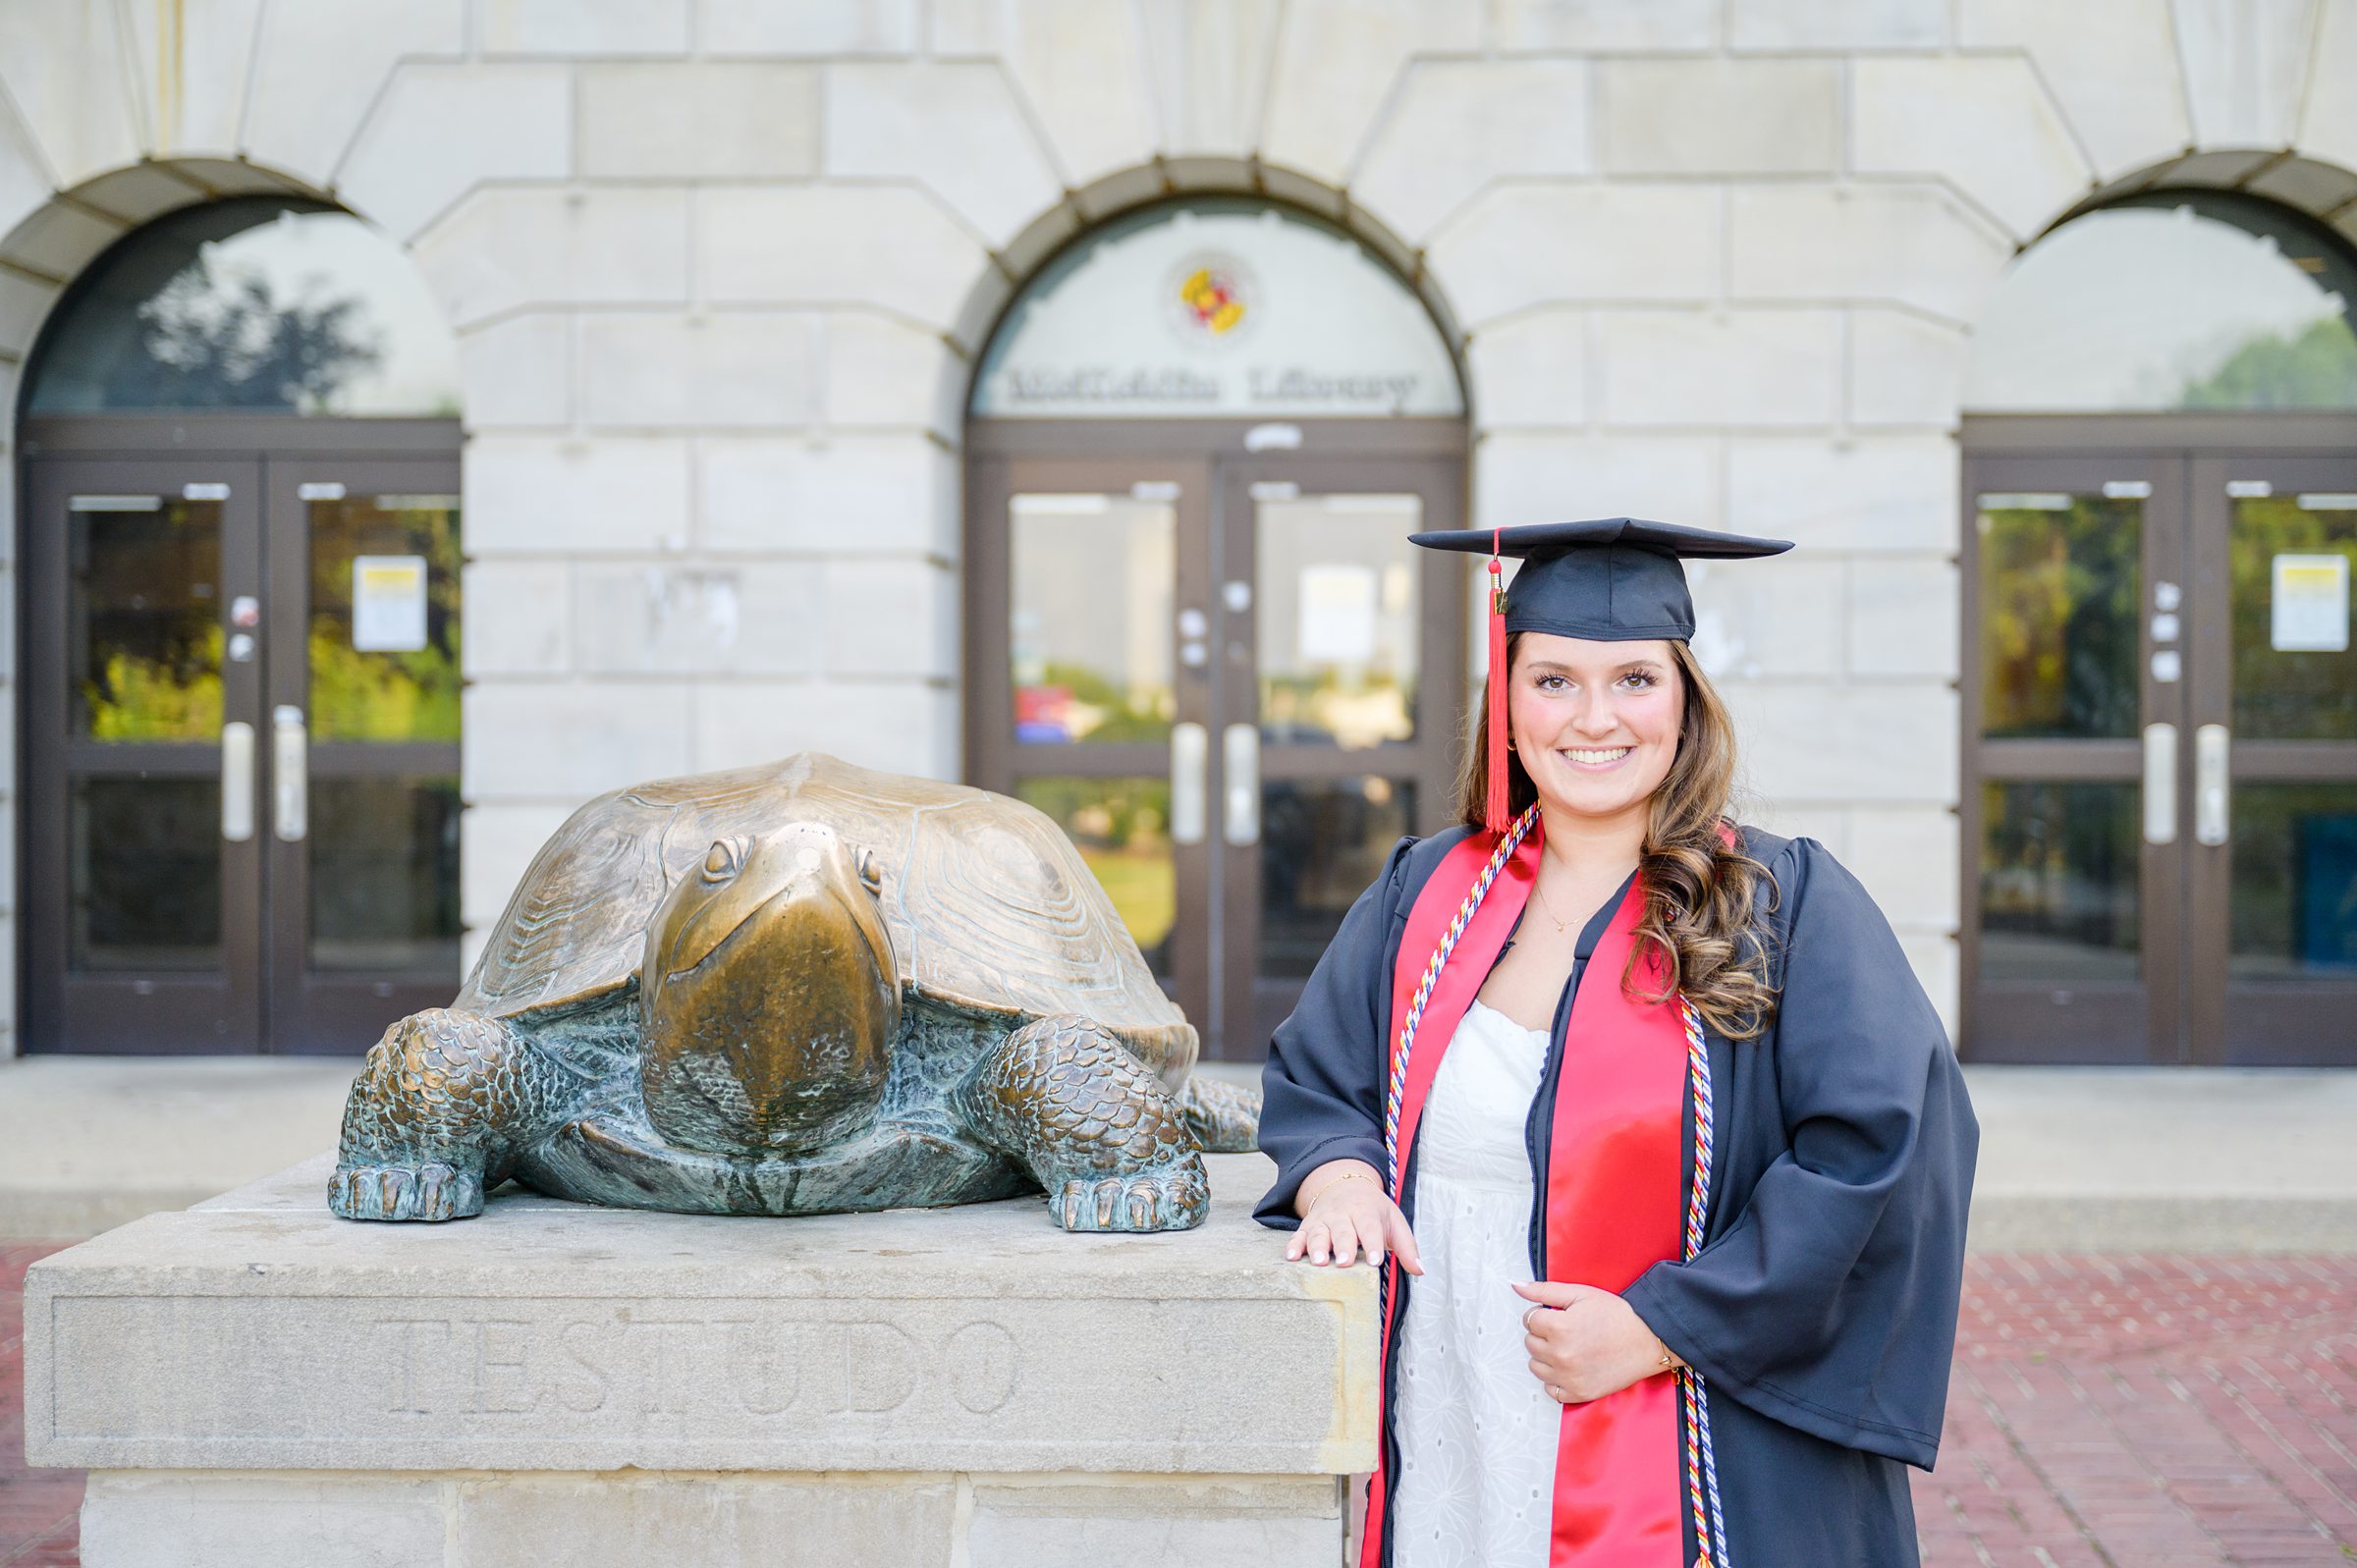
x=817, y=1520
x=721, y=269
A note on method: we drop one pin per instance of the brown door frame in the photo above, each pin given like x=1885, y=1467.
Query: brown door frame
x=1211, y=458
x=61, y=456
x=2307, y=1022
x=1257, y=1005
x=126, y=1013
x=994, y=758
x=311, y=1013
x=2182, y=899
x=2114, y=1022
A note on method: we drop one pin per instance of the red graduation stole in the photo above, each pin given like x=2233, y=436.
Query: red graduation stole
x=1612, y=1201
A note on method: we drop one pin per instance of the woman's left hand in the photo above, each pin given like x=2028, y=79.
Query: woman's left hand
x=1590, y=1344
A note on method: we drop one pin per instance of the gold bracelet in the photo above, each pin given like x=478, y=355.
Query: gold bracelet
x=1347, y=1175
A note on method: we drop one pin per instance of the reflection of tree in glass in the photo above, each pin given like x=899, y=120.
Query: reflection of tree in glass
x=177, y=697
x=2059, y=618
x=233, y=343
x=2318, y=369
x=380, y=696
x=375, y=695
x=148, y=623
x=2059, y=888
x=1352, y=714
x=2286, y=695
x=1109, y=712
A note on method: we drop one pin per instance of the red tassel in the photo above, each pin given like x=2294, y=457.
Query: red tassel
x=1494, y=816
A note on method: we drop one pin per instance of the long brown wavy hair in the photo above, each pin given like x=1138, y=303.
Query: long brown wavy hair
x=1700, y=889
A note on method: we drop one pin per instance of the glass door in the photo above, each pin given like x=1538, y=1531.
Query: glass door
x=144, y=710
x=362, y=738
x=2076, y=609
x=1091, y=682
x=1229, y=677
x=242, y=781
x=2272, y=819
x=1342, y=682
x=2161, y=796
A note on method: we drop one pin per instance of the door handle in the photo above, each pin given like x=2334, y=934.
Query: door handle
x=2210, y=784
x=1190, y=759
x=2160, y=784
x=289, y=774
x=1240, y=750
x=236, y=781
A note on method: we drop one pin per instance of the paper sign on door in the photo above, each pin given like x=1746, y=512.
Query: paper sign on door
x=387, y=603
x=2310, y=604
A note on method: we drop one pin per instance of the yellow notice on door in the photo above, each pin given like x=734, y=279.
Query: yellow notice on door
x=387, y=603
x=2310, y=606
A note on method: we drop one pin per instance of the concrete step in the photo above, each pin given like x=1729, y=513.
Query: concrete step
x=2165, y=1160
x=2072, y=1159
x=90, y=1143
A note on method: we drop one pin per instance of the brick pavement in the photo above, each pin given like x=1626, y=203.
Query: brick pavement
x=2161, y=1412
x=2156, y=1412
x=38, y=1523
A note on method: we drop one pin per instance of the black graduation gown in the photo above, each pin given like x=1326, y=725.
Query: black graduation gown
x=1822, y=1307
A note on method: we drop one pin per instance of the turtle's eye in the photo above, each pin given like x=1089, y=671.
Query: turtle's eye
x=720, y=861
x=870, y=873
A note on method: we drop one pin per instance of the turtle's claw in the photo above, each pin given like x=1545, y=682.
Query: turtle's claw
x=431, y=1191
x=1171, y=1196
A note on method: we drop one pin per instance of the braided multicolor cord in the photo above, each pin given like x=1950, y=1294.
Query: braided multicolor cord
x=1702, y=1468
x=1507, y=842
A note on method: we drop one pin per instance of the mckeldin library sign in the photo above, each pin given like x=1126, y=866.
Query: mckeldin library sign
x=1218, y=312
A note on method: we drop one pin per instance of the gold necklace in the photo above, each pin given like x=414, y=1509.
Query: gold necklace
x=1540, y=888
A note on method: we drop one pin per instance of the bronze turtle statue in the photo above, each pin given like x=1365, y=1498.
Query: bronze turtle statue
x=805, y=988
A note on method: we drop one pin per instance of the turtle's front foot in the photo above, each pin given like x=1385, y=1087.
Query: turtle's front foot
x=1067, y=1102
x=1173, y=1198
x=431, y=1191
x=437, y=1115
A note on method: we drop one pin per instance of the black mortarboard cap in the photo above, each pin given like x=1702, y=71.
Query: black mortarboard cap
x=1607, y=580
x=1611, y=579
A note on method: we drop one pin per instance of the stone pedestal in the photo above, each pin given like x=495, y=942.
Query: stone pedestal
x=255, y=1382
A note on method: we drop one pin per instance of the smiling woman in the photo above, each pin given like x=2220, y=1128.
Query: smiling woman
x=1668, y=1178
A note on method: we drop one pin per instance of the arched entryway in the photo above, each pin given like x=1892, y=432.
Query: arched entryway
x=1196, y=635
x=2161, y=702
x=239, y=606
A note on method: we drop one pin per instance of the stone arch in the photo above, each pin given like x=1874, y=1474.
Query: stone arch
x=2302, y=188
x=2146, y=350
x=45, y=249
x=2324, y=192
x=76, y=274
x=80, y=239
x=1071, y=219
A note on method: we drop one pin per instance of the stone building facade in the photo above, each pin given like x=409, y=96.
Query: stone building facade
x=721, y=271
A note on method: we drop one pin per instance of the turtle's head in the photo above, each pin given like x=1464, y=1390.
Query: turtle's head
x=769, y=996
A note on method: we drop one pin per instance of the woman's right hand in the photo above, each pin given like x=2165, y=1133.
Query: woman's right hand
x=1347, y=1212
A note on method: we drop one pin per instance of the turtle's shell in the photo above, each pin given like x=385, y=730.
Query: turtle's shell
x=988, y=905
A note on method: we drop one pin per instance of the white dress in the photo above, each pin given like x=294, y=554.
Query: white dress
x=1476, y=1430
